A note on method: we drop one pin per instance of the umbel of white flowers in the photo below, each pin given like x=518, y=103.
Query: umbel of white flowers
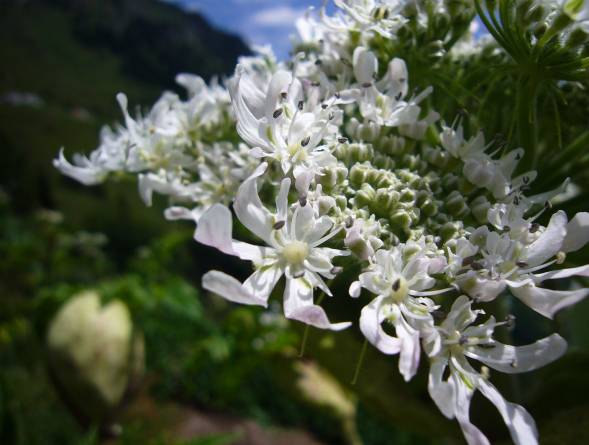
x=336, y=161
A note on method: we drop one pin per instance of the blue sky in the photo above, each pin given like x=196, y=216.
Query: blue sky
x=257, y=21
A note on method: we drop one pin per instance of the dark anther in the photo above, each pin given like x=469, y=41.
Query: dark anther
x=303, y=201
x=284, y=95
x=300, y=105
x=397, y=284
x=318, y=62
x=534, y=227
x=526, y=179
x=462, y=340
x=331, y=116
x=324, y=106
x=279, y=225
x=349, y=222
x=299, y=275
x=487, y=345
x=315, y=84
x=521, y=264
x=306, y=141
x=516, y=200
x=548, y=205
x=337, y=95
x=399, y=96
x=367, y=85
x=476, y=266
x=277, y=113
x=342, y=140
x=402, y=80
x=468, y=260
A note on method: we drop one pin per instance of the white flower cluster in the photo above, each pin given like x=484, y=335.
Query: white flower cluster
x=339, y=158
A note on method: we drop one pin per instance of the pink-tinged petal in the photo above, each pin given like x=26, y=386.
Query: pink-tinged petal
x=463, y=397
x=581, y=271
x=410, y=348
x=548, y=302
x=441, y=392
x=577, y=233
x=519, y=422
x=550, y=242
x=262, y=281
x=298, y=305
x=215, y=229
x=515, y=359
x=229, y=288
x=371, y=319
x=249, y=208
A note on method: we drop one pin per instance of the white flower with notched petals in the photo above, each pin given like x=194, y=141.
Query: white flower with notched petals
x=293, y=239
x=507, y=263
x=383, y=102
x=401, y=287
x=461, y=340
x=279, y=124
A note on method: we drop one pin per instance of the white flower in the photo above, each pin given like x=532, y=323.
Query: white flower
x=293, y=239
x=509, y=263
x=384, y=102
x=400, y=286
x=460, y=340
x=278, y=123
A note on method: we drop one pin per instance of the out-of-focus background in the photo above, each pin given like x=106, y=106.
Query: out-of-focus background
x=91, y=277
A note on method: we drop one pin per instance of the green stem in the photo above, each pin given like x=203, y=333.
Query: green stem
x=360, y=360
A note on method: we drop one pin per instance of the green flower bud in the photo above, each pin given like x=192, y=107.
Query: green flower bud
x=576, y=38
x=456, y=205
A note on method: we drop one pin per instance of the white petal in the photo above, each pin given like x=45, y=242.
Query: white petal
x=581, y=271
x=577, y=233
x=355, y=289
x=262, y=281
x=515, y=359
x=519, y=422
x=410, y=348
x=229, y=288
x=215, y=228
x=548, y=302
x=87, y=175
x=463, y=397
x=365, y=65
x=550, y=242
x=371, y=318
x=282, y=200
x=249, y=208
x=441, y=392
x=298, y=305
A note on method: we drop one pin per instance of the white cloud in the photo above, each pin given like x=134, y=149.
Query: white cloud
x=277, y=16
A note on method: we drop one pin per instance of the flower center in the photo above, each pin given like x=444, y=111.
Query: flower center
x=399, y=289
x=295, y=252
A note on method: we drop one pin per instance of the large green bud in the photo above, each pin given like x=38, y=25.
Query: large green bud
x=94, y=355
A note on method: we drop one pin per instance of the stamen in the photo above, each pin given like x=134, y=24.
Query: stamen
x=397, y=284
x=277, y=113
x=306, y=141
x=279, y=225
